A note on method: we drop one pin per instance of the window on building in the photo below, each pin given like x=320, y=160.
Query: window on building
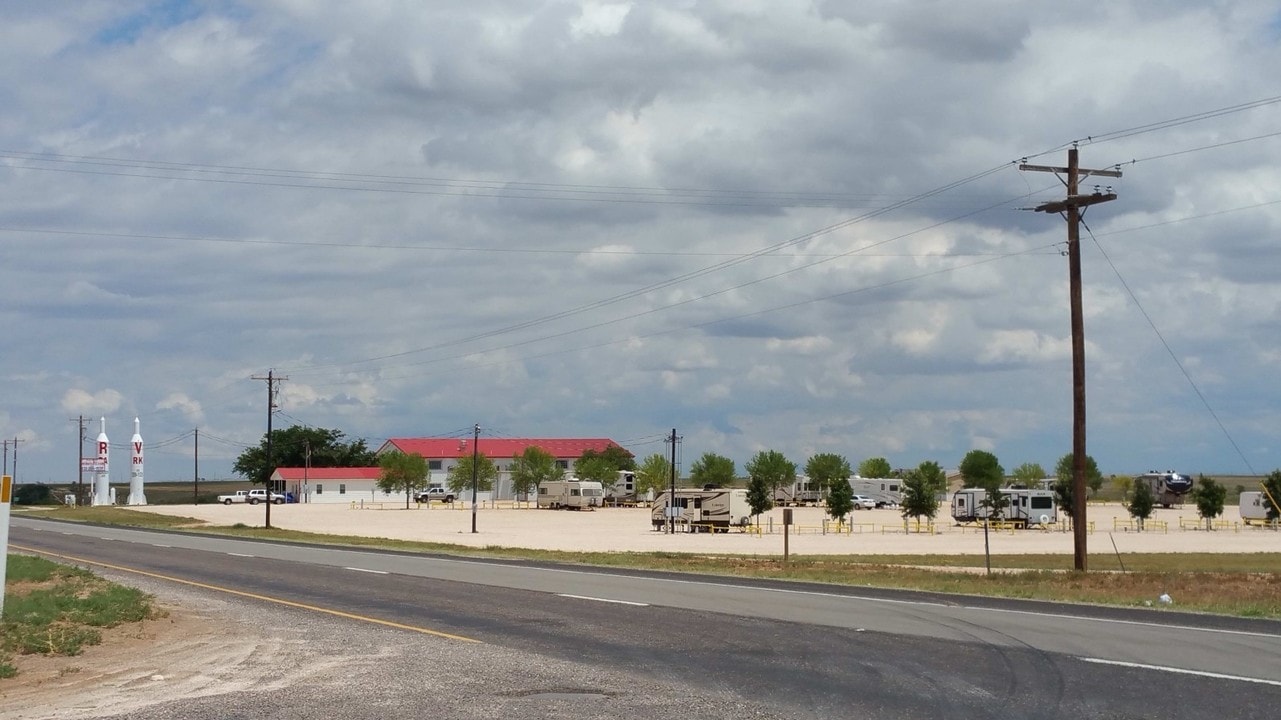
x=320, y=489
x=342, y=488
x=433, y=464
x=562, y=464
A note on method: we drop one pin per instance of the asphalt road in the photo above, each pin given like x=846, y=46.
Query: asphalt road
x=644, y=644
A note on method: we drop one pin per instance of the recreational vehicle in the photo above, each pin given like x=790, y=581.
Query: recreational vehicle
x=569, y=493
x=623, y=491
x=1168, y=488
x=800, y=492
x=696, y=510
x=887, y=492
x=1026, y=507
x=1254, y=508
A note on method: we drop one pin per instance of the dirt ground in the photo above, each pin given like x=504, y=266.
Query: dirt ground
x=630, y=529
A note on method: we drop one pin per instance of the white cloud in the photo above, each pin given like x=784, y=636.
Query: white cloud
x=432, y=214
x=102, y=402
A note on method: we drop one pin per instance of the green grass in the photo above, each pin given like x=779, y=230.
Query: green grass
x=53, y=609
x=1245, y=584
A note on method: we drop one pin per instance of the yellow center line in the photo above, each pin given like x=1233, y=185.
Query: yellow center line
x=254, y=596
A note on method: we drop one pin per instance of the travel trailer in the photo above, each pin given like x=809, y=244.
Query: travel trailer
x=1026, y=507
x=1254, y=508
x=694, y=510
x=1168, y=488
x=570, y=494
x=623, y=491
x=800, y=492
x=887, y=492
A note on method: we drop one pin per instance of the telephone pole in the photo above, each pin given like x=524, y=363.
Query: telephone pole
x=1072, y=208
x=80, y=469
x=273, y=387
x=671, y=498
x=195, y=469
x=475, y=440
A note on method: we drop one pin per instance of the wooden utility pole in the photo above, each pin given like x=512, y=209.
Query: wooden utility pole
x=273, y=385
x=1071, y=209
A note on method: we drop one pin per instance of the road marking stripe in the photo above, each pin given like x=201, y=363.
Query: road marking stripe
x=604, y=600
x=367, y=570
x=1180, y=671
x=159, y=545
x=253, y=596
x=239, y=554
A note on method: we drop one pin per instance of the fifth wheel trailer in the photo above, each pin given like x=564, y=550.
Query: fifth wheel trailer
x=1026, y=507
x=697, y=510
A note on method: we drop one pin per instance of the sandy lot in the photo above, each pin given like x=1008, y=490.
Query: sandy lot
x=629, y=529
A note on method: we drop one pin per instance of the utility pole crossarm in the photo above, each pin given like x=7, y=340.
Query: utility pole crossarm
x=1082, y=173
x=1075, y=201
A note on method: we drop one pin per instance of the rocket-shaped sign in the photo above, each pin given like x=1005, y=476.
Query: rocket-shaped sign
x=101, y=477
x=136, y=496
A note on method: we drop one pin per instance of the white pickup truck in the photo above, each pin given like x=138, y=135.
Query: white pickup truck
x=253, y=497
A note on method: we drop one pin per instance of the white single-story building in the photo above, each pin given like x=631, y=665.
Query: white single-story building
x=334, y=485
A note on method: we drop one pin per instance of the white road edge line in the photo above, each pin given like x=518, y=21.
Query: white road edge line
x=1180, y=671
x=604, y=600
x=1116, y=621
x=239, y=554
x=367, y=570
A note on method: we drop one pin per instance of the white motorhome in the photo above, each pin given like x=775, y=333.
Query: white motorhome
x=694, y=510
x=1254, y=508
x=887, y=492
x=570, y=493
x=1027, y=507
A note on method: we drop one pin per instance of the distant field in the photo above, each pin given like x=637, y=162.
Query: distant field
x=170, y=493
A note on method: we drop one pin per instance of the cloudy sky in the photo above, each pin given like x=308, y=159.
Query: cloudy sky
x=769, y=224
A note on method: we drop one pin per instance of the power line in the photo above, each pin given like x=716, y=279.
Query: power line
x=1170, y=351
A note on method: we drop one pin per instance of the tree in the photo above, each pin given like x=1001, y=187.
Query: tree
x=1272, y=484
x=979, y=468
x=1123, y=484
x=32, y=494
x=596, y=468
x=654, y=474
x=935, y=478
x=919, y=496
x=290, y=447
x=460, y=474
x=532, y=467
x=402, y=473
x=1028, y=473
x=759, y=496
x=603, y=466
x=840, y=497
x=1209, y=497
x=1093, y=478
x=772, y=467
x=1141, y=502
x=1063, y=494
x=877, y=467
x=825, y=469
x=712, y=469
x=996, y=502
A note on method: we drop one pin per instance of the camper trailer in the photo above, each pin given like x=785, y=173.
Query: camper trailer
x=570, y=493
x=887, y=492
x=800, y=492
x=1026, y=507
x=716, y=509
x=1254, y=508
x=1168, y=488
x=623, y=491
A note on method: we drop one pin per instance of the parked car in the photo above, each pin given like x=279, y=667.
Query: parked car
x=435, y=492
x=863, y=502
